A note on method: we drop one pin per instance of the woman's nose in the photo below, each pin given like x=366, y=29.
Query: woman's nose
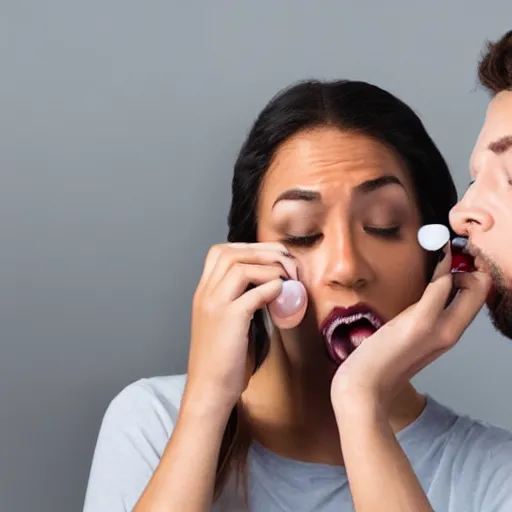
x=345, y=265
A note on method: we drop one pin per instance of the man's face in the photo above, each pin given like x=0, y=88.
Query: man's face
x=485, y=212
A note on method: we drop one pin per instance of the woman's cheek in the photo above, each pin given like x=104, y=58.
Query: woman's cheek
x=311, y=270
x=409, y=256
x=404, y=266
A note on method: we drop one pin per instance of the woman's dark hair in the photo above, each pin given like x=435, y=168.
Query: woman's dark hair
x=495, y=66
x=351, y=106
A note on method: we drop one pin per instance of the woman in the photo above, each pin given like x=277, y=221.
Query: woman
x=329, y=189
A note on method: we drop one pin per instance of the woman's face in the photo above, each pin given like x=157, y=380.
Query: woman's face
x=344, y=205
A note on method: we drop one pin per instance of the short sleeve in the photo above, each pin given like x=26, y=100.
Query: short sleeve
x=495, y=483
x=133, y=435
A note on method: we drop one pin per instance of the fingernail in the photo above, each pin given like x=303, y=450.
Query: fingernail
x=459, y=243
x=291, y=299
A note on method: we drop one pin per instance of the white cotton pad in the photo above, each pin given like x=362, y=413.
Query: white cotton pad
x=433, y=237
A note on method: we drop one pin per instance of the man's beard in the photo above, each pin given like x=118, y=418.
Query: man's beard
x=499, y=301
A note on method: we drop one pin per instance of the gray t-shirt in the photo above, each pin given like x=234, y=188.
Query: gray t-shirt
x=463, y=465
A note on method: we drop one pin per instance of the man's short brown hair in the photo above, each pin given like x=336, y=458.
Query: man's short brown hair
x=495, y=67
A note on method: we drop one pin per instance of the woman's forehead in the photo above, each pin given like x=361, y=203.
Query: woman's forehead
x=326, y=159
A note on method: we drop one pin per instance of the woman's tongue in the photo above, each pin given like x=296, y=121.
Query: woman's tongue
x=345, y=340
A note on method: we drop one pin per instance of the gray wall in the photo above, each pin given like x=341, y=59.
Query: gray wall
x=119, y=123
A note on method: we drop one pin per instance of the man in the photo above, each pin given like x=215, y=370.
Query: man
x=380, y=475
x=485, y=212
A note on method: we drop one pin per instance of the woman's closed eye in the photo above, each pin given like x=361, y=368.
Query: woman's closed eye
x=312, y=239
x=302, y=240
x=386, y=232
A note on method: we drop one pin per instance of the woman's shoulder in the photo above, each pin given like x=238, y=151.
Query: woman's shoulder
x=134, y=432
x=165, y=389
x=147, y=402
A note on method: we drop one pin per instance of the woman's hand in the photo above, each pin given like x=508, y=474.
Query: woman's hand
x=388, y=359
x=238, y=279
x=366, y=383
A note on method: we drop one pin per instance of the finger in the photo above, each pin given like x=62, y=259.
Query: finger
x=214, y=253
x=472, y=290
x=285, y=257
x=257, y=298
x=250, y=255
x=268, y=246
x=443, y=267
x=437, y=292
x=241, y=275
x=434, y=298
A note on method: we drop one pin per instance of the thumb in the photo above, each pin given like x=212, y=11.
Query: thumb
x=437, y=292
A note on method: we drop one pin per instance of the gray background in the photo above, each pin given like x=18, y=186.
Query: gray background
x=119, y=124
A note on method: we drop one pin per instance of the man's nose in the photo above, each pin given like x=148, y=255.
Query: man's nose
x=469, y=214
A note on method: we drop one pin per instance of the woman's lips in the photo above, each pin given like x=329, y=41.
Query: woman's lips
x=345, y=329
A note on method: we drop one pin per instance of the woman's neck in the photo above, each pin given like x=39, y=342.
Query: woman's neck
x=289, y=410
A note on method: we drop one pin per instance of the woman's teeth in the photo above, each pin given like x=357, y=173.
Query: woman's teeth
x=347, y=320
x=346, y=333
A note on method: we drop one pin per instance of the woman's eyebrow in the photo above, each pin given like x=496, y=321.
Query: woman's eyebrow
x=299, y=194
x=382, y=181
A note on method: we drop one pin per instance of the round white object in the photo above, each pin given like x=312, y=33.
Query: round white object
x=433, y=237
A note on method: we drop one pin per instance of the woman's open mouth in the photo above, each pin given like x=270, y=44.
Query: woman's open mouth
x=346, y=328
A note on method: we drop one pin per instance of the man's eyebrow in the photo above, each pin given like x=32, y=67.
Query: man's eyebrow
x=501, y=145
